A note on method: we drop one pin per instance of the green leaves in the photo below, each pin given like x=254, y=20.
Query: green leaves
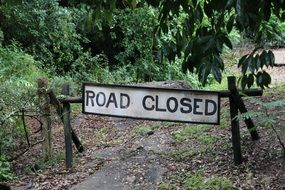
x=203, y=55
x=217, y=68
x=253, y=65
x=5, y=170
x=263, y=79
x=44, y=30
x=203, y=34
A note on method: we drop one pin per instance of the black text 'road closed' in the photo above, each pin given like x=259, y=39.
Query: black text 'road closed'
x=152, y=103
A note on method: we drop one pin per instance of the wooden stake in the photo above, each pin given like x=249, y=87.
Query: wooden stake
x=67, y=128
x=44, y=103
x=241, y=106
x=59, y=109
x=234, y=124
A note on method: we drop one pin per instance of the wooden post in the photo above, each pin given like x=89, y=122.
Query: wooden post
x=234, y=124
x=67, y=128
x=44, y=103
x=241, y=106
x=59, y=110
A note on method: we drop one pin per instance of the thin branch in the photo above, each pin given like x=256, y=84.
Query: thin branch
x=276, y=133
x=27, y=115
x=278, y=65
x=278, y=137
x=25, y=127
x=33, y=116
x=26, y=150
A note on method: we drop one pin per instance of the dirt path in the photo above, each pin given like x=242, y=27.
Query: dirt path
x=131, y=165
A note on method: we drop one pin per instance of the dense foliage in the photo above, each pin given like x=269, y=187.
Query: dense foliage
x=44, y=30
x=68, y=36
x=18, y=73
x=206, y=31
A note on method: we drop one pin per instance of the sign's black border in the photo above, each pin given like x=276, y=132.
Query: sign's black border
x=151, y=88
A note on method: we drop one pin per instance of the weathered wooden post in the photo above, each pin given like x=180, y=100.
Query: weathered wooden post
x=59, y=109
x=67, y=128
x=241, y=107
x=234, y=123
x=44, y=102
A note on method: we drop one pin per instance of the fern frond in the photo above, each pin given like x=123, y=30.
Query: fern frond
x=275, y=104
x=251, y=114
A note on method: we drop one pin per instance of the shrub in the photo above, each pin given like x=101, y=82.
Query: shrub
x=45, y=30
x=197, y=182
x=267, y=118
x=271, y=33
x=18, y=74
x=5, y=170
x=137, y=42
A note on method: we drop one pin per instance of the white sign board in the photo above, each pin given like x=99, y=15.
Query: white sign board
x=152, y=103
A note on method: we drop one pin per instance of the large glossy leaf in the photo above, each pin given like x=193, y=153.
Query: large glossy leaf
x=250, y=80
x=252, y=63
x=230, y=23
x=266, y=79
x=227, y=42
x=189, y=25
x=267, y=59
x=243, y=81
x=216, y=69
x=245, y=64
x=242, y=15
x=240, y=7
x=208, y=46
x=242, y=60
x=259, y=79
x=257, y=62
x=171, y=51
x=188, y=64
x=204, y=71
x=219, y=45
x=179, y=43
x=199, y=13
x=263, y=58
x=217, y=74
x=263, y=79
x=220, y=62
x=272, y=58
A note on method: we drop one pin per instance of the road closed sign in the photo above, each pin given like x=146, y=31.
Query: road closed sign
x=152, y=103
